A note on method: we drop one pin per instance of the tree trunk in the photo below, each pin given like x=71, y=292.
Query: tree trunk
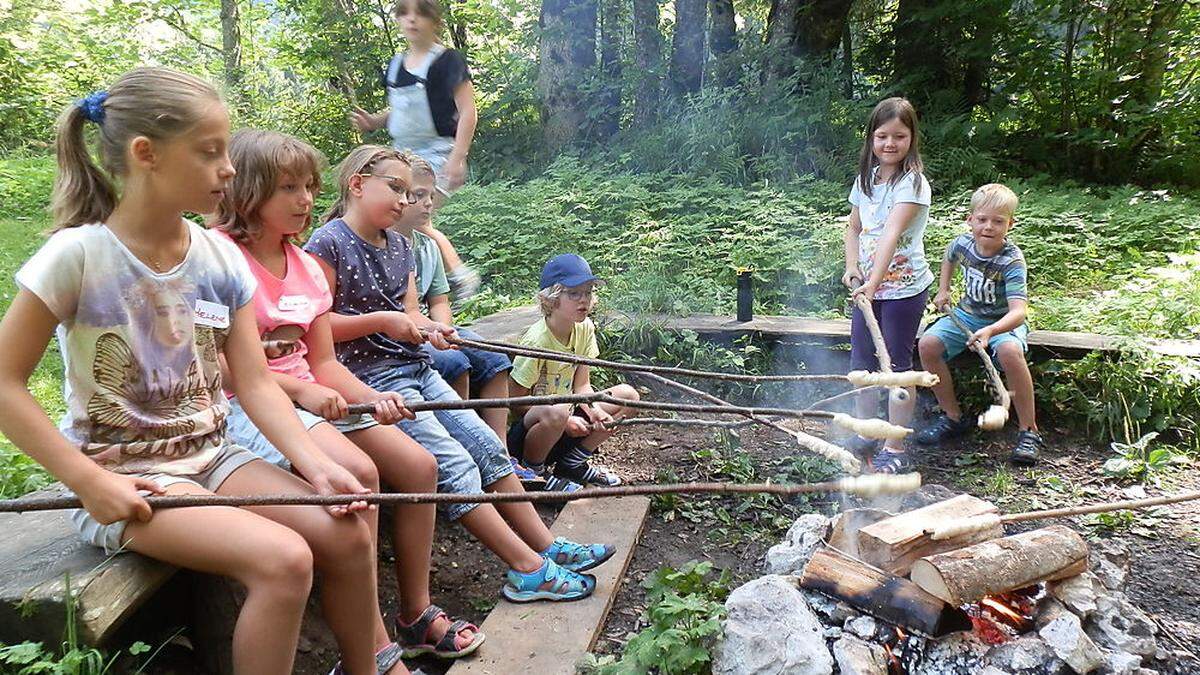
x=687, y=46
x=611, y=18
x=457, y=29
x=981, y=49
x=648, y=57
x=810, y=29
x=567, y=55
x=1156, y=50
x=847, y=62
x=231, y=52
x=724, y=26
x=920, y=51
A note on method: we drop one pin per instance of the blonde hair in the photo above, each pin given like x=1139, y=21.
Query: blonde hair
x=419, y=165
x=157, y=103
x=548, y=298
x=995, y=196
x=261, y=158
x=360, y=161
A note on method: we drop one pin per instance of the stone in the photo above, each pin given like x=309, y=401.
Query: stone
x=833, y=633
x=857, y=657
x=804, y=537
x=1078, y=593
x=1121, y=663
x=959, y=653
x=1048, y=609
x=759, y=613
x=835, y=611
x=1110, y=562
x=1026, y=654
x=1065, y=637
x=862, y=626
x=1118, y=625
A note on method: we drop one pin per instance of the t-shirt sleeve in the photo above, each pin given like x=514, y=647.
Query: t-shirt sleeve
x=453, y=68
x=524, y=371
x=913, y=189
x=1016, y=279
x=856, y=194
x=241, y=279
x=55, y=272
x=439, y=285
x=322, y=246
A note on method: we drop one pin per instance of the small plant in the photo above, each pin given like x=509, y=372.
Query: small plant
x=1139, y=461
x=685, y=608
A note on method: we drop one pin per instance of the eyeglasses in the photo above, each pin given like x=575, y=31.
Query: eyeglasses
x=577, y=295
x=396, y=184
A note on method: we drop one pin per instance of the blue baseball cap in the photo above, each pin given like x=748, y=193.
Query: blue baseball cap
x=567, y=269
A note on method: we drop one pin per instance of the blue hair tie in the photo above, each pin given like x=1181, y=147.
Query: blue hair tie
x=92, y=106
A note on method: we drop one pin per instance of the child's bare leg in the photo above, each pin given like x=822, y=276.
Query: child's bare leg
x=617, y=412
x=343, y=553
x=1020, y=381
x=933, y=360
x=544, y=425
x=496, y=418
x=901, y=413
x=523, y=518
x=344, y=452
x=462, y=385
x=271, y=561
x=407, y=467
x=485, y=523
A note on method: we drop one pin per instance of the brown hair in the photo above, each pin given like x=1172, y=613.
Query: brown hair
x=885, y=111
x=157, y=103
x=419, y=165
x=261, y=158
x=430, y=9
x=360, y=161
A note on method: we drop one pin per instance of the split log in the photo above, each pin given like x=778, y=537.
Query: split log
x=1002, y=565
x=893, y=544
x=893, y=599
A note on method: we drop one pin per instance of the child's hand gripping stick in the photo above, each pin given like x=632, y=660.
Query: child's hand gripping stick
x=997, y=414
x=897, y=394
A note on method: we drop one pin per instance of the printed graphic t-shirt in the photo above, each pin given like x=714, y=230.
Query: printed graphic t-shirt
x=285, y=308
x=988, y=282
x=550, y=378
x=908, y=272
x=369, y=279
x=143, y=386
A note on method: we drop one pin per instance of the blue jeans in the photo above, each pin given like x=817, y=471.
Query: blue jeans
x=452, y=363
x=469, y=454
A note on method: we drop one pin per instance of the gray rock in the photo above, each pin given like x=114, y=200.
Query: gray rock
x=835, y=611
x=1065, y=637
x=862, y=626
x=804, y=537
x=1121, y=663
x=759, y=613
x=1078, y=593
x=1145, y=671
x=1026, y=654
x=1119, y=626
x=956, y=654
x=1110, y=562
x=856, y=657
x=833, y=633
x=1048, y=609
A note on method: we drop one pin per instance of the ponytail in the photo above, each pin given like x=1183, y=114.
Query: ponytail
x=360, y=160
x=82, y=193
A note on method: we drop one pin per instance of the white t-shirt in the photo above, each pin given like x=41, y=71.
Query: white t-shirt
x=908, y=272
x=143, y=385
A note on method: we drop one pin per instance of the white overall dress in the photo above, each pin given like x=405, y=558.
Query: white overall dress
x=410, y=121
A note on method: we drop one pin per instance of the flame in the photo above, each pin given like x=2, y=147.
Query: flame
x=998, y=607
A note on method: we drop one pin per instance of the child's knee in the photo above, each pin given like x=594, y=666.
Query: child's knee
x=364, y=470
x=555, y=415
x=625, y=392
x=288, y=569
x=424, y=468
x=1010, y=355
x=931, y=349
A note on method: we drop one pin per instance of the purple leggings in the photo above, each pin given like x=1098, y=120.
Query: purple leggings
x=898, y=321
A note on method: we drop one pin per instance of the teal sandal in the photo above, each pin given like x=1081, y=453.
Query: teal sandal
x=413, y=638
x=549, y=582
x=578, y=557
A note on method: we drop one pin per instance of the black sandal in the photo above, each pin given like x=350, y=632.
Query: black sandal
x=412, y=637
x=891, y=461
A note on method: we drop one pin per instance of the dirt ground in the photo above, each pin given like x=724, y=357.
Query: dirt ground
x=1164, y=579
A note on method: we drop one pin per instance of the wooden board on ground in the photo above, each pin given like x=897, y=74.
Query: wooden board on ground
x=38, y=552
x=547, y=638
x=510, y=324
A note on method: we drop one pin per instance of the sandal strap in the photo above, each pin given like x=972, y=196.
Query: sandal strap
x=417, y=632
x=449, y=641
x=388, y=657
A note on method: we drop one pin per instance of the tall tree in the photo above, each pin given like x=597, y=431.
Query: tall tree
x=611, y=20
x=724, y=26
x=567, y=55
x=811, y=29
x=687, y=46
x=648, y=57
x=231, y=53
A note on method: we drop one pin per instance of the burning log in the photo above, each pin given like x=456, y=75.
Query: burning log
x=890, y=598
x=894, y=543
x=1002, y=565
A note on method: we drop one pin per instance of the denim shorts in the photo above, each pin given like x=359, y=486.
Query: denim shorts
x=955, y=342
x=108, y=537
x=452, y=363
x=469, y=455
x=243, y=432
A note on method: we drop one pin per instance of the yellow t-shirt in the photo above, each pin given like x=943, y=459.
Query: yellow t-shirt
x=551, y=378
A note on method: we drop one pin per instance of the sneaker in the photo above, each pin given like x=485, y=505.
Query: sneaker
x=860, y=446
x=943, y=428
x=559, y=484
x=550, y=582
x=586, y=473
x=1028, y=449
x=522, y=472
x=891, y=461
x=577, y=557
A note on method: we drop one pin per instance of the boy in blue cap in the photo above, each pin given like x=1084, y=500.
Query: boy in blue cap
x=563, y=437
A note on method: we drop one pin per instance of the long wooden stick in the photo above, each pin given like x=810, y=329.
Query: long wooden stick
x=966, y=525
x=867, y=309
x=997, y=415
x=860, y=485
x=678, y=421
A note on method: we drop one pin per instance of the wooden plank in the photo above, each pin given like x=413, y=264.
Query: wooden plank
x=37, y=553
x=547, y=638
x=510, y=324
x=893, y=544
